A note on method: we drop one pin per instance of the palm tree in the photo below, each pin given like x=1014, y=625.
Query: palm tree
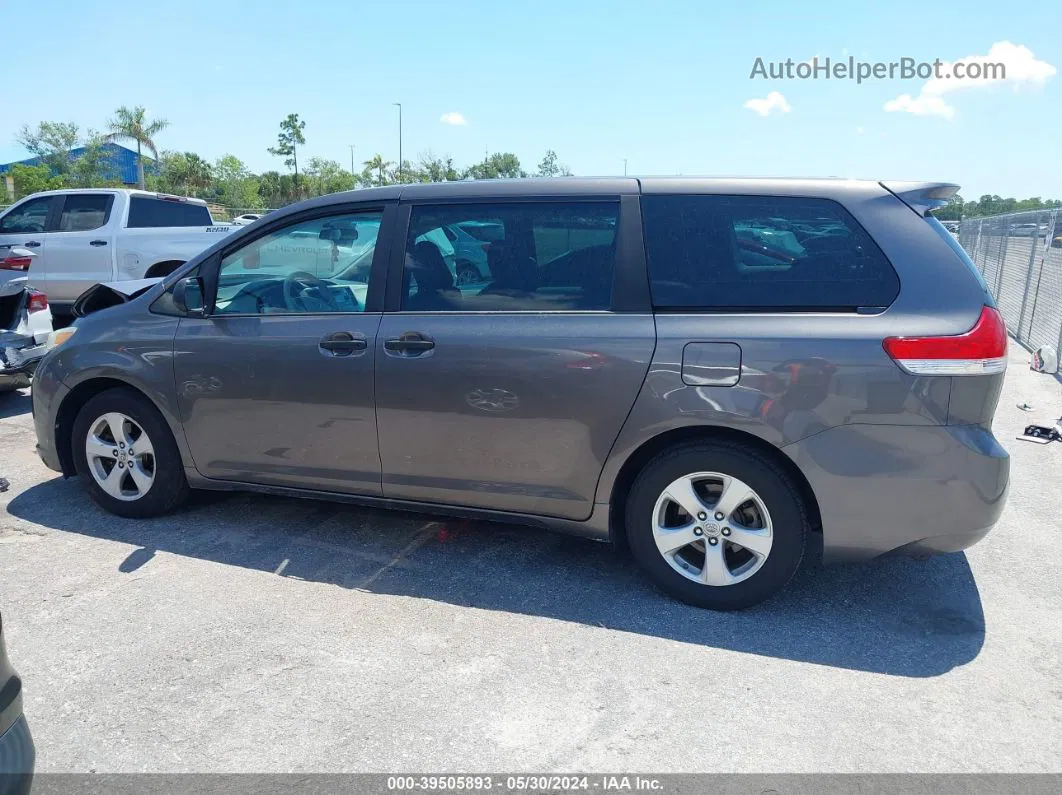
x=379, y=165
x=131, y=125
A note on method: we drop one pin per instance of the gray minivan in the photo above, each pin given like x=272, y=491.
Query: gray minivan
x=706, y=371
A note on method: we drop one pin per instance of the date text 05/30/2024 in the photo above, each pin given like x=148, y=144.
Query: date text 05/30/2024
x=522, y=783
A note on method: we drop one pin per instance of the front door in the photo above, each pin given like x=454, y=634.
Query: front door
x=79, y=253
x=276, y=385
x=25, y=225
x=508, y=391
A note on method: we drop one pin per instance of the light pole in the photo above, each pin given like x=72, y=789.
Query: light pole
x=351, y=158
x=624, y=166
x=399, y=106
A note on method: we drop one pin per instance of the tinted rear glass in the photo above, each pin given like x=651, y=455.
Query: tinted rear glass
x=762, y=253
x=145, y=212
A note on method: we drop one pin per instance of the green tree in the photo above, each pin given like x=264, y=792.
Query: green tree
x=952, y=211
x=498, y=165
x=289, y=139
x=235, y=186
x=324, y=176
x=33, y=179
x=430, y=168
x=51, y=141
x=94, y=166
x=380, y=166
x=132, y=125
x=549, y=167
x=183, y=173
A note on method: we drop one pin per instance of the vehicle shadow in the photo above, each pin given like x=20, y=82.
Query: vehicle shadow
x=14, y=403
x=894, y=616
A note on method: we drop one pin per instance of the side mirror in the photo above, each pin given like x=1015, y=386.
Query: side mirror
x=330, y=233
x=188, y=296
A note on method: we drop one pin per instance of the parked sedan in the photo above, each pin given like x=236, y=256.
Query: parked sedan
x=17, y=754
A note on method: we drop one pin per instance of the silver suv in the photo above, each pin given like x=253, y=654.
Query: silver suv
x=705, y=371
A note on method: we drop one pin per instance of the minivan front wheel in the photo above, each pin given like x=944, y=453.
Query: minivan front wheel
x=126, y=455
x=716, y=525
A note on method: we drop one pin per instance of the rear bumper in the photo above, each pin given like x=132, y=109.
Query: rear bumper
x=17, y=759
x=905, y=489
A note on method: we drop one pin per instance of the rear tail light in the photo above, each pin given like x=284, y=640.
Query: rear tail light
x=980, y=351
x=16, y=263
x=38, y=302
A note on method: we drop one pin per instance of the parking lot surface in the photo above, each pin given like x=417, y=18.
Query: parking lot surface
x=251, y=633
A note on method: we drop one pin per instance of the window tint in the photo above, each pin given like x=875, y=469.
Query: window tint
x=321, y=265
x=146, y=212
x=85, y=211
x=28, y=217
x=762, y=252
x=511, y=257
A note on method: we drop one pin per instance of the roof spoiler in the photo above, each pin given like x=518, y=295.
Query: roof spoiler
x=922, y=196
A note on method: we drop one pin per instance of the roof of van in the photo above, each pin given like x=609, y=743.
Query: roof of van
x=590, y=186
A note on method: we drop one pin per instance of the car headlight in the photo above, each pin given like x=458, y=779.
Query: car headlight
x=57, y=338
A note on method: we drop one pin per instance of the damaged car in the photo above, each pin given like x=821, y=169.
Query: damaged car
x=25, y=321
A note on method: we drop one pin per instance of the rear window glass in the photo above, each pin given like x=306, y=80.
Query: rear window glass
x=762, y=253
x=145, y=212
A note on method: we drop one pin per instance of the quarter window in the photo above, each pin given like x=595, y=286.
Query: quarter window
x=315, y=266
x=510, y=257
x=762, y=252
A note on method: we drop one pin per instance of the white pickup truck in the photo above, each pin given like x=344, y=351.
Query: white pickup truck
x=83, y=237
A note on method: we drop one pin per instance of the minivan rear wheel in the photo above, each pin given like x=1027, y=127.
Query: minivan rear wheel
x=126, y=456
x=716, y=525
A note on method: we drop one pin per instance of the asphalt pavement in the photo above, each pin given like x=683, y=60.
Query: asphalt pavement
x=251, y=633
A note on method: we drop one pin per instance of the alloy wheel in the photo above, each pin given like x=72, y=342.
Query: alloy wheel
x=712, y=528
x=120, y=456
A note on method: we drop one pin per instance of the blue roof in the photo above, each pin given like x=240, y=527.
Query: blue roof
x=121, y=165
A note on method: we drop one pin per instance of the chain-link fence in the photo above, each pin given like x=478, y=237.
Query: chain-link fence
x=1020, y=257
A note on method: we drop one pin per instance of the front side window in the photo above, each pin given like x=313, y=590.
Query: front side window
x=543, y=256
x=319, y=265
x=27, y=218
x=761, y=252
x=147, y=212
x=83, y=212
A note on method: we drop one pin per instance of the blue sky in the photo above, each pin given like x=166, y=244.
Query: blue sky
x=663, y=84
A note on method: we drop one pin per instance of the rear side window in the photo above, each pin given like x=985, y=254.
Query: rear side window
x=762, y=253
x=147, y=212
x=83, y=212
x=510, y=257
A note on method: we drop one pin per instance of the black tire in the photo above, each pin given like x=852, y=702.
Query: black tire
x=778, y=493
x=170, y=487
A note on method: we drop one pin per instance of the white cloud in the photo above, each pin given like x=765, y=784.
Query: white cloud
x=772, y=102
x=1021, y=67
x=454, y=118
x=922, y=105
